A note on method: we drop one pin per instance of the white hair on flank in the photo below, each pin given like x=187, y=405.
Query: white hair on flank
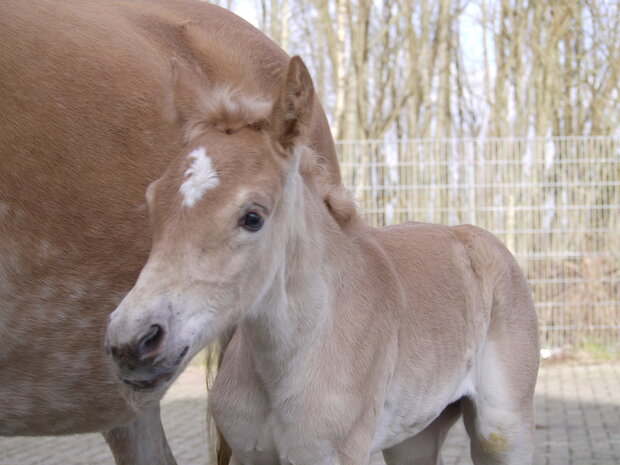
x=200, y=177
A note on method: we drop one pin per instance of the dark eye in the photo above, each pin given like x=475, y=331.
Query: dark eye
x=252, y=221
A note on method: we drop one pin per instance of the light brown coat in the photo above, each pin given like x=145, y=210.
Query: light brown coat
x=349, y=339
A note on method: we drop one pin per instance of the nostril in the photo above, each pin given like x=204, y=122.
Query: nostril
x=152, y=338
x=150, y=342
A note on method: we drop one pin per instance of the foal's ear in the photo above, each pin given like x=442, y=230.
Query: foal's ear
x=290, y=117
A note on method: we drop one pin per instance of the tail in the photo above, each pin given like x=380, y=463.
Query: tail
x=223, y=450
x=219, y=449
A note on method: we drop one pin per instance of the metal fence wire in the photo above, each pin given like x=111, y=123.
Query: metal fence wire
x=553, y=201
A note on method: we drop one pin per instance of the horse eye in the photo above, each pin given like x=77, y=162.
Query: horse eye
x=252, y=222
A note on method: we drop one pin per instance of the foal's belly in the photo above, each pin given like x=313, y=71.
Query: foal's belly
x=407, y=412
x=397, y=423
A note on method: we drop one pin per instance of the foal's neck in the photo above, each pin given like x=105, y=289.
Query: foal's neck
x=296, y=313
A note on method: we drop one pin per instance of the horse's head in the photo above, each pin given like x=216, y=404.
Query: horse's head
x=219, y=220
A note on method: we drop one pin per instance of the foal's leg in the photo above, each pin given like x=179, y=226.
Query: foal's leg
x=499, y=414
x=499, y=441
x=425, y=447
x=142, y=442
x=499, y=417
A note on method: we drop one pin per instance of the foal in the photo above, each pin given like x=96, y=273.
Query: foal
x=350, y=339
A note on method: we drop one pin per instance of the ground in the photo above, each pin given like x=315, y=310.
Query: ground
x=578, y=423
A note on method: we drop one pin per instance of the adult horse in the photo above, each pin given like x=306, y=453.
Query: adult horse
x=350, y=340
x=90, y=113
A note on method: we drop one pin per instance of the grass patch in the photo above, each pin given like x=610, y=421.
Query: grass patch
x=598, y=350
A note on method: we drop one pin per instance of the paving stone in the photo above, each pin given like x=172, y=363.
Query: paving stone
x=577, y=408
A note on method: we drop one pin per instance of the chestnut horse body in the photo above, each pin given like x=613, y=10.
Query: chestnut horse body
x=87, y=121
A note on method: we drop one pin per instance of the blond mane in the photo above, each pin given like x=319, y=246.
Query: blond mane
x=228, y=109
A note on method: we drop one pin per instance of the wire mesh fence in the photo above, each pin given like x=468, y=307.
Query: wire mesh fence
x=553, y=201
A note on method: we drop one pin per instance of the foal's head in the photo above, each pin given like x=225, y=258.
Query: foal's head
x=219, y=217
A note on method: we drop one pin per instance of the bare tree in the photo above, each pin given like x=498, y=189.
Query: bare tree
x=405, y=67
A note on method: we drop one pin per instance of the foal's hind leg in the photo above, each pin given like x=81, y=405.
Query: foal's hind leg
x=425, y=447
x=499, y=418
x=142, y=442
x=497, y=442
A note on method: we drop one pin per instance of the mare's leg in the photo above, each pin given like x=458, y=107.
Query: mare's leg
x=142, y=442
x=499, y=418
x=425, y=447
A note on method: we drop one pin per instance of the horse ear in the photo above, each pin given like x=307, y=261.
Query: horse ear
x=183, y=94
x=290, y=117
x=174, y=94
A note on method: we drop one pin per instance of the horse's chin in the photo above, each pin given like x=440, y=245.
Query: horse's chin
x=161, y=378
x=150, y=384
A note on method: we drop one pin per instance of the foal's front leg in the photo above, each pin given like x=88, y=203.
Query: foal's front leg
x=141, y=442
